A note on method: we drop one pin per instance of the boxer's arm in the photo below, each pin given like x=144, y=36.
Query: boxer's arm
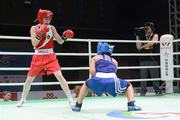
x=116, y=63
x=149, y=44
x=57, y=37
x=138, y=44
x=37, y=32
x=92, y=68
x=35, y=39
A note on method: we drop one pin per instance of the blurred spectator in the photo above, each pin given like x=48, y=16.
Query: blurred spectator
x=77, y=90
x=6, y=96
x=149, y=47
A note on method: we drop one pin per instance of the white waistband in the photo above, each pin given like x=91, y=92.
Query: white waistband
x=43, y=51
x=106, y=75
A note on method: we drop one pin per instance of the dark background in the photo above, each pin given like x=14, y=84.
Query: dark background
x=88, y=18
x=103, y=19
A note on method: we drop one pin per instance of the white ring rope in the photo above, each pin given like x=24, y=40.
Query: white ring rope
x=41, y=83
x=176, y=78
x=31, y=53
x=72, y=82
x=177, y=40
x=176, y=53
x=81, y=40
x=82, y=54
x=27, y=68
x=176, y=66
x=75, y=68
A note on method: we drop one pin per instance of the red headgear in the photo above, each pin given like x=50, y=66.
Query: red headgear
x=44, y=13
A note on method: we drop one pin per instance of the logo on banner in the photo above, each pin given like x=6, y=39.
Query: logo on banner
x=6, y=60
x=142, y=115
x=166, y=62
x=166, y=44
x=50, y=95
x=166, y=54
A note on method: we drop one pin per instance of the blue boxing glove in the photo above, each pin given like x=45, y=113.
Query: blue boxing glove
x=77, y=107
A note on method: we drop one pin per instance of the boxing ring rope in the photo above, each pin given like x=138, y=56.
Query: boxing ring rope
x=90, y=54
x=76, y=68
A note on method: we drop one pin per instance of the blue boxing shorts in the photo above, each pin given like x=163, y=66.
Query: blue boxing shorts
x=112, y=86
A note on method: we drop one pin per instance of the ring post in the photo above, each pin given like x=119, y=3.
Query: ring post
x=166, y=60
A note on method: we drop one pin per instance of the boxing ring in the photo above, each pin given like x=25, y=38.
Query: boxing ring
x=95, y=108
x=165, y=107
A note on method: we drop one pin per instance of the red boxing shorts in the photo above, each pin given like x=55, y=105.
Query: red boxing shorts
x=43, y=64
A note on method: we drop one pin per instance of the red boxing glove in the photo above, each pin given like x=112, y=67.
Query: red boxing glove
x=43, y=29
x=68, y=34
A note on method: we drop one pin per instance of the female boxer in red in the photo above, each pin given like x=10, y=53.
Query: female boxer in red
x=44, y=59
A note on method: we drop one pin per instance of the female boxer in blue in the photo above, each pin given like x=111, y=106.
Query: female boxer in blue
x=103, y=70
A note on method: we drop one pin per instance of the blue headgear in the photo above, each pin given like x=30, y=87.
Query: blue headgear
x=104, y=48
